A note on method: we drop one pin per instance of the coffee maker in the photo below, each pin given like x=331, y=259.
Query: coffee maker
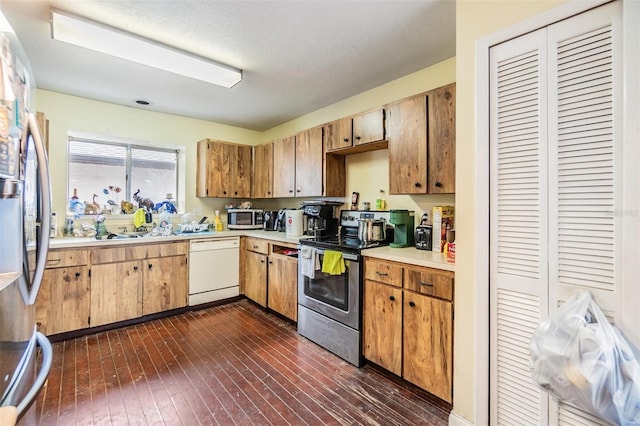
x=320, y=218
x=403, y=227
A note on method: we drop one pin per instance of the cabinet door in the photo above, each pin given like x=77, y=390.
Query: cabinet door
x=442, y=140
x=63, y=302
x=240, y=157
x=338, y=134
x=255, y=277
x=382, y=325
x=220, y=175
x=116, y=292
x=368, y=127
x=202, y=170
x=284, y=167
x=283, y=286
x=262, y=181
x=408, y=146
x=428, y=344
x=309, y=163
x=164, y=284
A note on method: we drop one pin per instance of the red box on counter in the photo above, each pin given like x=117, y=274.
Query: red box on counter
x=451, y=252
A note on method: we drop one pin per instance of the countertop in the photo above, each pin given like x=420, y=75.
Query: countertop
x=408, y=255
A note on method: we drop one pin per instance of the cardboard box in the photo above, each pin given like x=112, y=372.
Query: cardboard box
x=442, y=222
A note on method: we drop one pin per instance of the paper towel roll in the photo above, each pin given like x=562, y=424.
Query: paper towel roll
x=293, y=226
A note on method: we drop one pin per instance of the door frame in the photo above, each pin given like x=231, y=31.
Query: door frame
x=631, y=67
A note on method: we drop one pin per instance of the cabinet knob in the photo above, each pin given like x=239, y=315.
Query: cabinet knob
x=236, y=193
x=357, y=138
x=298, y=190
x=262, y=261
x=270, y=262
x=255, y=247
x=412, y=304
x=224, y=192
x=438, y=184
x=78, y=274
x=135, y=268
x=346, y=139
x=392, y=298
x=150, y=266
x=418, y=184
x=291, y=190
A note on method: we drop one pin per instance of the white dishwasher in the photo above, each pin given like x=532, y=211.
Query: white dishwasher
x=214, y=269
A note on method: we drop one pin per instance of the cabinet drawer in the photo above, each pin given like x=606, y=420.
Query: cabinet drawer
x=118, y=254
x=61, y=258
x=161, y=250
x=383, y=272
x=257, y=245
x=432, y=282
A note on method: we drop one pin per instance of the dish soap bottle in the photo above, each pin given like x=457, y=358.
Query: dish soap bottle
x=217, y=221
x=380, y=203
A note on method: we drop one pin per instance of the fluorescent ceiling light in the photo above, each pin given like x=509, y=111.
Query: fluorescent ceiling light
x=104, y=39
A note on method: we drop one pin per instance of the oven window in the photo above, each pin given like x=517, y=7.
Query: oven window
x=330, y=289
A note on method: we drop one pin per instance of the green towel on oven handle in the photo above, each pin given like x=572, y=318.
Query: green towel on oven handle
x=333, y=263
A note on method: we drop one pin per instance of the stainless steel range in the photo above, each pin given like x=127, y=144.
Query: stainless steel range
x=330, y=303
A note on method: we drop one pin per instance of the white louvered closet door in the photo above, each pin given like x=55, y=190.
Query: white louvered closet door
x=555, y=148
x=518, y=187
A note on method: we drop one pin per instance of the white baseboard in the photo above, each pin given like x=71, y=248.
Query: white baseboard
x=456, y=420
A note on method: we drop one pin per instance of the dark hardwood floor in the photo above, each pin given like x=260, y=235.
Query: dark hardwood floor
x=229, y=364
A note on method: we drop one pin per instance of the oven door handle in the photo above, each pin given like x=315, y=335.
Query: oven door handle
x=345, y=255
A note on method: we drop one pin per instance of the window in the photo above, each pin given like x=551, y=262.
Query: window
x=108, y=173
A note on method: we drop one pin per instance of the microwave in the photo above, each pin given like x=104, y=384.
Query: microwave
x=244, y=218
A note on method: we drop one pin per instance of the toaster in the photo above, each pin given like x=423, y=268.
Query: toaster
x=423, y=236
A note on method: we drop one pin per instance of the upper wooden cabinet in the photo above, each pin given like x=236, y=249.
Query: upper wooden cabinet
x=421, y=140
x=354, y=134
x=284, y=167
x=262, y=180
x=309, y=164
x=224, y=169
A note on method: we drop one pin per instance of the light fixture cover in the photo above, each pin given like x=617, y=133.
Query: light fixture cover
x=101, y=38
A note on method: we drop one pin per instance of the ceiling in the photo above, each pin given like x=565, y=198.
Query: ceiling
x=296, y=56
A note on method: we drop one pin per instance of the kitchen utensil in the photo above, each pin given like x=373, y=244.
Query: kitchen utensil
x=372, y=230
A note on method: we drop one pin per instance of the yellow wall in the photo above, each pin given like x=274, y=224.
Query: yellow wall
x=73, y=114
x=474, y=19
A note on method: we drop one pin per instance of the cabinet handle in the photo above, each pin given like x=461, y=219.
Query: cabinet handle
x=135, y=268
x=346, y=139
x=224, y=192
x=418, y=184
x=412, y=304
x=78, y=274
x=150, y=266
x=236, y=193
x=392, y=298
x=358, y=138
x=426, y=284
x=255, y=247
x=270, y=262
x=382, y=274
x=438, y=184
x=262, y=261
x=291, y=190
x=54, y=261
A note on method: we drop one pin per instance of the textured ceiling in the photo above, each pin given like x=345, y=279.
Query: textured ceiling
x=296, y=56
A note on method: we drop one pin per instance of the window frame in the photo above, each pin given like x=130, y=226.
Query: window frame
x=129, y=144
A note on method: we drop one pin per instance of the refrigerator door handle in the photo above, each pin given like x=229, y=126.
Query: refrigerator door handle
x=47, y=357
x=42, y=236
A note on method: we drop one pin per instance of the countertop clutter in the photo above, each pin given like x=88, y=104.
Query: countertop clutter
x=407, y=255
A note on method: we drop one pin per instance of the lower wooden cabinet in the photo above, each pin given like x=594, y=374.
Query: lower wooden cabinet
x=254, y=269
x=154, y=278
x=270, y=276
x=428, y=343
x=283, y=285
x=408, y=323
x=116, y=292
x=382, y=323
x=63, y=302
x=165, y=284
x=88, y=288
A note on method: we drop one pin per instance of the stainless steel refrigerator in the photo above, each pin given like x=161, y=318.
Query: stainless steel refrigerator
x=25, y=219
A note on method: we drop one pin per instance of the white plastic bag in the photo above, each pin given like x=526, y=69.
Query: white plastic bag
x=579, y=357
